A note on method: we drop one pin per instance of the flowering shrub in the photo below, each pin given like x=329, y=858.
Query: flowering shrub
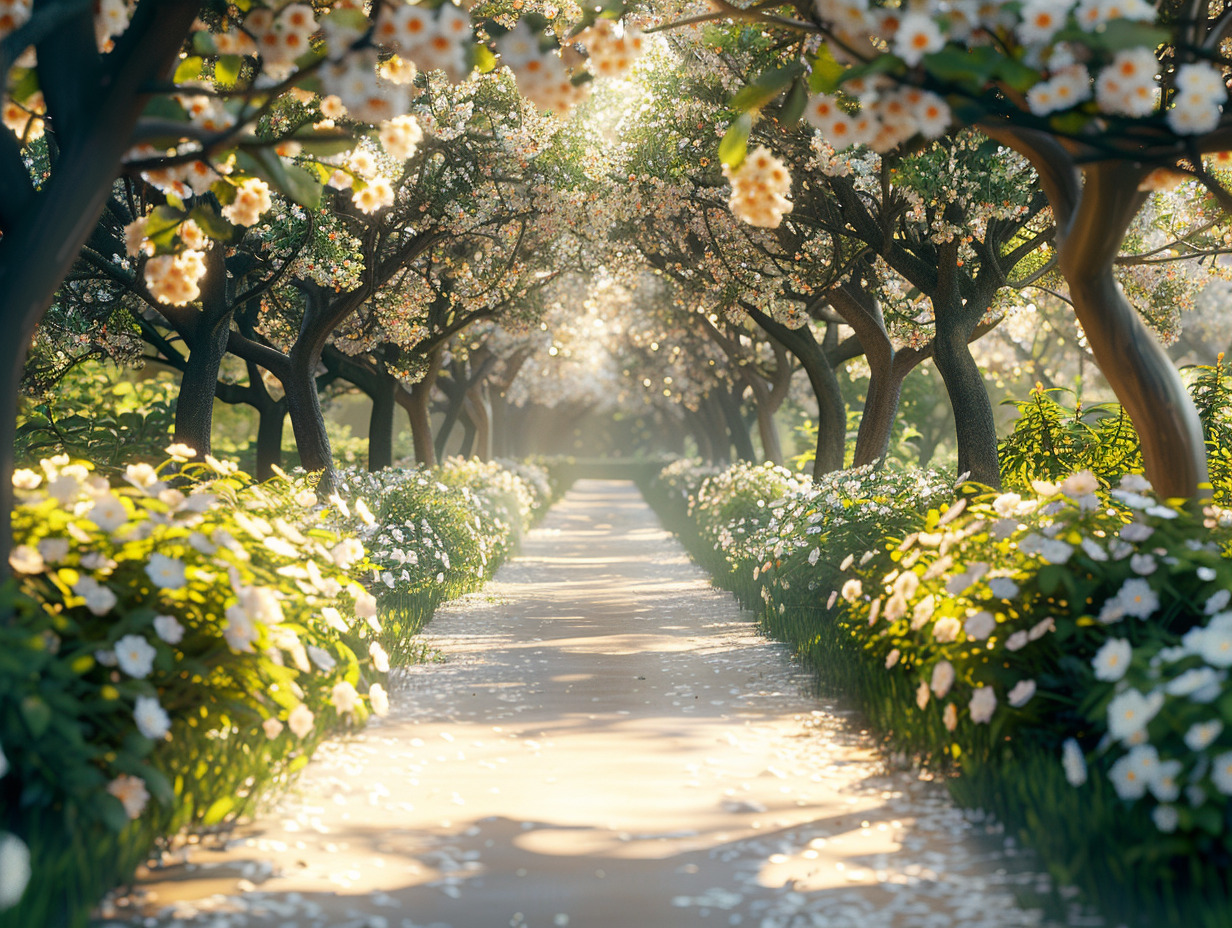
x=178, y=646
x=172, y=653
x=1081, y=634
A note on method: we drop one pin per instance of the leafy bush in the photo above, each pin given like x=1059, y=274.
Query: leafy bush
x=181, y=643
x=176, y=645
x=1064, y=649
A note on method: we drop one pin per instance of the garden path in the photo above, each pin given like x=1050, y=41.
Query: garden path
x=609, y=744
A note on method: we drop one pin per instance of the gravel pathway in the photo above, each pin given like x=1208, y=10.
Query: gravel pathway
x=608, y=744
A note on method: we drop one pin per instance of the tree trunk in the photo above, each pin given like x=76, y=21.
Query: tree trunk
x=381, y=424
x=1134, y=363
x=481, y=416
x=207, y=337
x=729, y=405
x=270, y=419
x=307, y=421
x=39, y=247
x=975, y=429
x=877, y=422
x=415, y=402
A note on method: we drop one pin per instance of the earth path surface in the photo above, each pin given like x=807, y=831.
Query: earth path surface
x=608, y=744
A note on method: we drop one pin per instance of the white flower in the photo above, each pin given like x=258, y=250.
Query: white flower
x=1130, y=712
x=380, y=660
x=1202, y=735
x=852, y=590
x=272, y=728
x=322, y=658
x=892, y=658
x=378, y=699
x=135, y=656
x=1074, y=762
x=1111, y=661
x=131, y=792
x=166, y=573
x=942, y=679
x=946, y=629
x=1003, y=587
x=99, y=599
x=1093, y=550
x=14, y=870
x=1193, y=681
x=108, y=513
x=1017, y=641
x=983, y=704
x=1006, y=504
x=1133, y=772
x=1022, y=693
x=1166, y=818
x=917, y=36
x=168, y=628
x=1217, y=601
x=344, y=697
x=1164, y=785
x=1054, y=551
x=300, y=721
x=1143, y=564
x=922, y=694
x=347, y=552
x=152, y=720
x=978, y=626
x=53, y=550
x=1221, y=773
x=27, y=560
x=1213, y=643
x=26, y=479
x=1137, y=598
x=949, y=717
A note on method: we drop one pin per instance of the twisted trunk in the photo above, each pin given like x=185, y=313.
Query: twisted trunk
x=93, y=116
x=381, y=423
x=270, y=419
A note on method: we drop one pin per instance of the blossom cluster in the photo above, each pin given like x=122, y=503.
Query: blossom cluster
x=760, y=186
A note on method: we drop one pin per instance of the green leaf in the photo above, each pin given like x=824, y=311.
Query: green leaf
x=485, y=60
x=793, y=106
x=164, y=108
x=227, y=70
x=113, y=814
x=37, y=714
x=22, y=83
x=212, y=224
x=218, y=810
x=969, y=68
x=1119, y=34
x=161, y=227
x=882, y=64
x=765, y=87
x=223, y=191
x=826, y=72
x=294, y=182
x=189, y=69
x=735, y=142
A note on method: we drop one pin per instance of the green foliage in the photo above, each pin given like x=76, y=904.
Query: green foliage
x=234, y=608
x=1051, y=440
x=96, y=416
x=1006, y=638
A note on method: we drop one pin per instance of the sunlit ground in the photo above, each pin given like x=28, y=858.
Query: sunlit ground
x=609, y=744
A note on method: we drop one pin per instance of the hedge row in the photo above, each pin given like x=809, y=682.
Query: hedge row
x=1064, y=655
x=175, y=646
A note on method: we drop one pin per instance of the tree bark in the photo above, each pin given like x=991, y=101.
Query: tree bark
x=831, y=410
x=206, y=334
x=44, y=231
x=1134, y=363
x=307, y=420
x=1094, y=205
x=381, y=424
x=415, y=402
x=737, y=427
x=481, y=416
x=270, y=419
